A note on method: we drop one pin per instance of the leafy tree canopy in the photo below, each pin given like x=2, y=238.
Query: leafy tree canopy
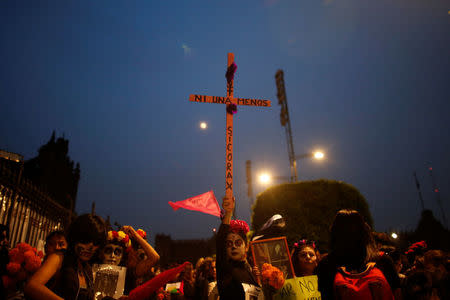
x=308, y=208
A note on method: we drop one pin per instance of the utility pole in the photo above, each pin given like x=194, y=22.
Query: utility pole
x=418, y=190
x=286, y=123
x=438, y=197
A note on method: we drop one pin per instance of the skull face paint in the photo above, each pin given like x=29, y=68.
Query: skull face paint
x=236, y=247
x=85, y=251
x=112, y=254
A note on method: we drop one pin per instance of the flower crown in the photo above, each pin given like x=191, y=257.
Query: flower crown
x=237, y=226
x=422, y=245
x=142, y=233
x=119, y=236
x=304, y=242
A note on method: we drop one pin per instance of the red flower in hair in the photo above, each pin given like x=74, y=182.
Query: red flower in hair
x=142, y=233
x=115, y=234
x=239, y=226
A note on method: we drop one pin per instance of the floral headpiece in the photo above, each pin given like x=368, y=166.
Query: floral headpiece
x=239, y=226
x=419, y=246
x=142, y=233
x=119, y=236
x=304, y=242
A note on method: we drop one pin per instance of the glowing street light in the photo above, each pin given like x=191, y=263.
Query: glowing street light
x=318, y=155
x=394, y=235
x=203, y=125
x=265, y=178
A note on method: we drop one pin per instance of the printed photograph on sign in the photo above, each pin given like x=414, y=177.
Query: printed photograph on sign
x=273, y=251
x=109, y=281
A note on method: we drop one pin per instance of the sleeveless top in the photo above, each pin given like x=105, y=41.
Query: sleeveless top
x=67, y=283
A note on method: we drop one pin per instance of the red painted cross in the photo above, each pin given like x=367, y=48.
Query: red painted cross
x=229, y=100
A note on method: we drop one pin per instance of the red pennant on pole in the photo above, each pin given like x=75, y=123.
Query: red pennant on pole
x=205, y=203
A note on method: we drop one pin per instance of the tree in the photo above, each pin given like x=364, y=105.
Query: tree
x=308, y=208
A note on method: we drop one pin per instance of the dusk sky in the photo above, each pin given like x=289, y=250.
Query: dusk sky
x=367, y=82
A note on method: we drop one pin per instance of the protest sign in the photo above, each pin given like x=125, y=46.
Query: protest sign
x=299, y=288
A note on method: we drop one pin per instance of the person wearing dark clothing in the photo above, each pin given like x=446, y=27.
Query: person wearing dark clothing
x=205, y=274
x=231, y=260
x=352, y=251
x=72, y=269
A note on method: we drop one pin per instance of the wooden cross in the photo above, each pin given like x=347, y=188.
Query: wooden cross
x=229, y=100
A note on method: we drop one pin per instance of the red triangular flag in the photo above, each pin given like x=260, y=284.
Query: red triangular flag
x=205, y=203
x=144, y=291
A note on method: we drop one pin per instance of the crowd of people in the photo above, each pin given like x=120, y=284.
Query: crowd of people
x=91, y=261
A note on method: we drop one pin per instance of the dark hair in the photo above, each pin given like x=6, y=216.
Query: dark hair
x=205, y=270
x=299, y=246
x=187, y=274
x=351, y=239
x=54, y=234
x=418, y=285
x=85, y=229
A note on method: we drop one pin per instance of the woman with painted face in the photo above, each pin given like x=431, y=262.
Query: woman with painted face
x=304, y=258
x=231, y=261
x=141, y=257
x=114, y=251
x=73, y=271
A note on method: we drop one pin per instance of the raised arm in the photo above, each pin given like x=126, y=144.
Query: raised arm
x=152, y=256
x=35, y=287
x=228, y=206
x=221, y=259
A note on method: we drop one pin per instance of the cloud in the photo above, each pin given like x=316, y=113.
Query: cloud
x=187, y=50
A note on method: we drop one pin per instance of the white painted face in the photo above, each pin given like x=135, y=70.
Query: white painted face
x=112, y=254
x=236, y=248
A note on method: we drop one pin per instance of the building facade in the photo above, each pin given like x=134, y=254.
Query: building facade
x=38, y=196
x=30, y=213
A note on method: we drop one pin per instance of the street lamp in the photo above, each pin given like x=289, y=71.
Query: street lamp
x=394, y=235
x=265, y=178
x=319, y=155
x=203, y=125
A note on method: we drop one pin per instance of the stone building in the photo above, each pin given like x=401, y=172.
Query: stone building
x=38, y=196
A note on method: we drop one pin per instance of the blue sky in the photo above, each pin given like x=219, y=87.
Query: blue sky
x=367, y=82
